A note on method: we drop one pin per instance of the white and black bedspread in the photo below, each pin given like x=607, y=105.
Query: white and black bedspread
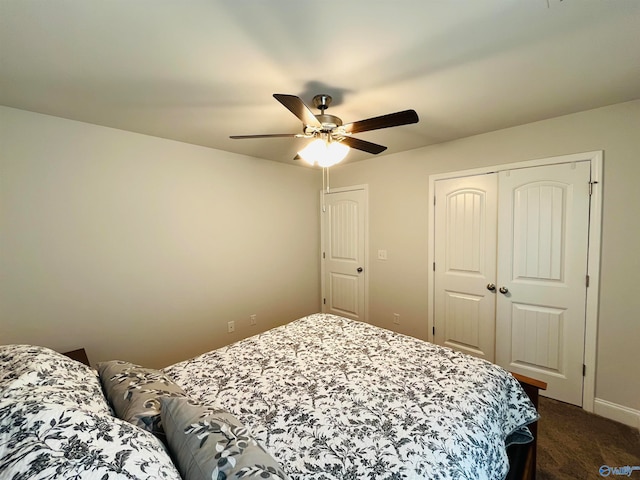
x=332, y=398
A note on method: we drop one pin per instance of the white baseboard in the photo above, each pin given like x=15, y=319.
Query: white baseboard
x=616, y=412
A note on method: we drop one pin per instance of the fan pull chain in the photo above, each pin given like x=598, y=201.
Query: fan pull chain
x=325, y=179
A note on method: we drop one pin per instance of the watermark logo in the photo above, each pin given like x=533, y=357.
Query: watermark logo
x=626, y=471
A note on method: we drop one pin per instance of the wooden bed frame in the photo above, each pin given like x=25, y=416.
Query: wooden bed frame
x=522, y=458
x=79, y=355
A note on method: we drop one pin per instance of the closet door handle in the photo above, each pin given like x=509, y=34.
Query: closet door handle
x=503, y=290
x=491, y=287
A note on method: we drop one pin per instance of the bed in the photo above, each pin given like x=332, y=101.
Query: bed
x=322, y=397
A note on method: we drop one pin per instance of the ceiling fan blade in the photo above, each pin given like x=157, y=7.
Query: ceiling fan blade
x=363, y=145
x=270, y=135
x=296, y=106
x=384, y=121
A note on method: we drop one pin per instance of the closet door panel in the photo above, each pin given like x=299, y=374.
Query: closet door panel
x=465, y=264
x=543, y=225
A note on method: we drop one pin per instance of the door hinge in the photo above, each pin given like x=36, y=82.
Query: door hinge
x=434, y=200
x=584, y=370
x=591, y=184
x=323, y=256
x=434, y=266
x=587, y=282
x=324, y=301
x=433, y=330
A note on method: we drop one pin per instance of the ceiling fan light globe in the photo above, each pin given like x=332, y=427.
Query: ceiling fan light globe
x=313, y=152
x=325, y=154
x=336, y=152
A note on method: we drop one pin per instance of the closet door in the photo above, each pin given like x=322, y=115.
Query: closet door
x=543, y=229
x=465, y=264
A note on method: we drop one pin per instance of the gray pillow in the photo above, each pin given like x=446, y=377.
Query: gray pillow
x=135, y=393
x=208, y=443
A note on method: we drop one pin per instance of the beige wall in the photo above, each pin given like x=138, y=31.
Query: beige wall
x=398, y=194
x=141, y=248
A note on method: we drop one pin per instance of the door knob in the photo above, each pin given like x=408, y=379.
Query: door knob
x=491, y=287
x=359, y=269
x=503, y=290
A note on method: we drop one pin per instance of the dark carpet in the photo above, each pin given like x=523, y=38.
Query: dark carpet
x=573, y=443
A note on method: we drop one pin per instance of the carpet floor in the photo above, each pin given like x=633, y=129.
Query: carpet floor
x=574, y=444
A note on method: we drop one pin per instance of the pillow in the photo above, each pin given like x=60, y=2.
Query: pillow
x=28, y=371
x=46, y=441
x=208, y=443
x=135, y=392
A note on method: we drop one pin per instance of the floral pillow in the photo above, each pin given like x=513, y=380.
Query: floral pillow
x=135, y=393
x=28, y=371
x=208, y=443
x=42, y=441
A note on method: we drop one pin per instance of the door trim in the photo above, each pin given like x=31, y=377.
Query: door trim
x=593, y=258
x=352, y=188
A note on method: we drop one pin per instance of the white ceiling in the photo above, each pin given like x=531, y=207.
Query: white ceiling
x=199, y=71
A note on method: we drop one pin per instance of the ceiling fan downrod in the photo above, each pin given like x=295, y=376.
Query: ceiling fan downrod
x=329, y=122
x=322, y=102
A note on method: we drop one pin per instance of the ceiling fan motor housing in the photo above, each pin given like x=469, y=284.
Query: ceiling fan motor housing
x=329, y=122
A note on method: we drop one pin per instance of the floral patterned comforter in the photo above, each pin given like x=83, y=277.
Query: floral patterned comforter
x=333, y=398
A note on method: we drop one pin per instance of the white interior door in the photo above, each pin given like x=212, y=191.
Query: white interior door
x=343, y=253
x=465, y=264
x=543, y=227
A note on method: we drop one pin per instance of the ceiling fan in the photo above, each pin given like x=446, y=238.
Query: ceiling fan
x=330, y=129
